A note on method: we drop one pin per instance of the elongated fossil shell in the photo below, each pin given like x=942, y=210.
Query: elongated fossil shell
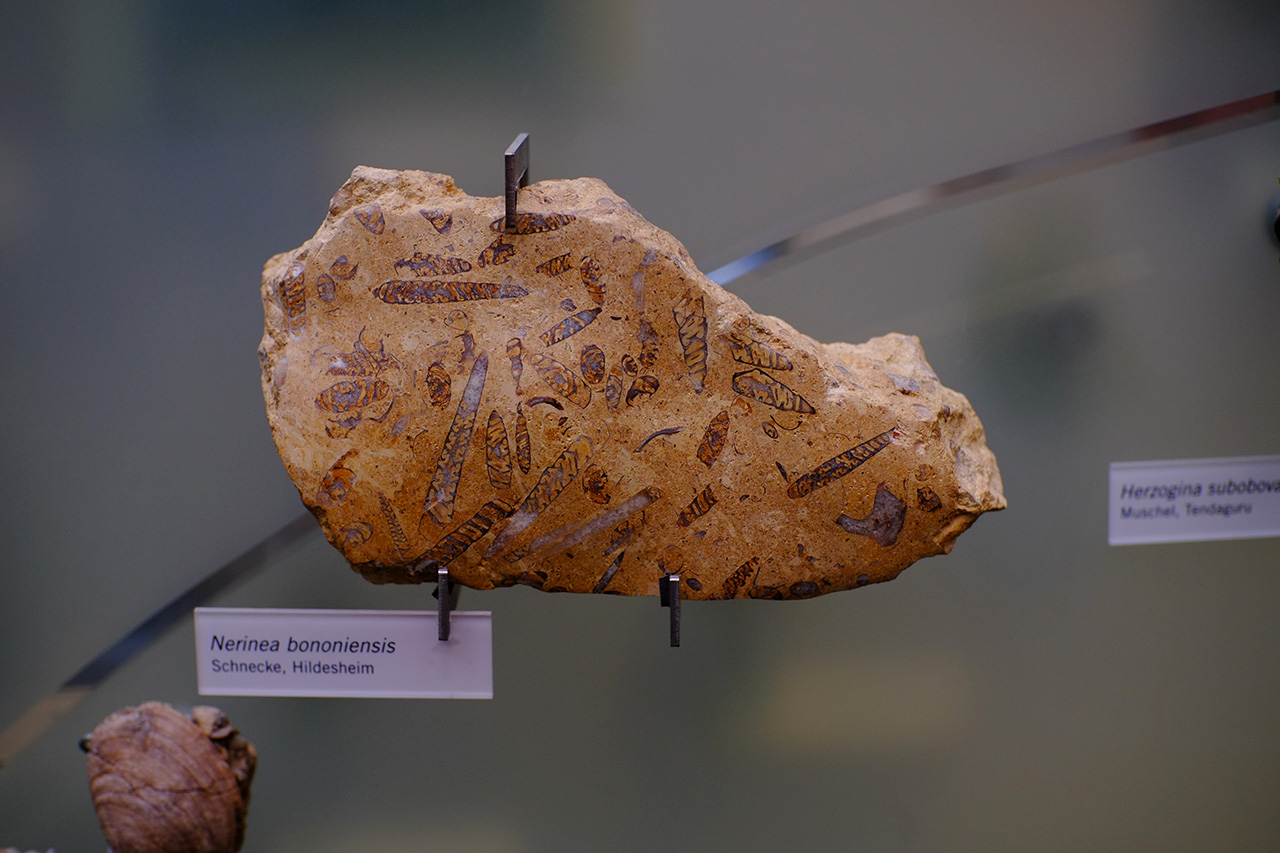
x=162, y=781
x=661, y=426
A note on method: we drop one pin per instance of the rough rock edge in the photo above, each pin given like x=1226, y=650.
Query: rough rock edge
x=978, y=479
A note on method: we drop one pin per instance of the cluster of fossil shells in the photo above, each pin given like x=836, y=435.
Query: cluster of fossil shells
x=570, y=404
x=163, y=781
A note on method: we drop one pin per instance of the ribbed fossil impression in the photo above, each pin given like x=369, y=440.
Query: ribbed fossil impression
x=572, y=405
x=163, y=781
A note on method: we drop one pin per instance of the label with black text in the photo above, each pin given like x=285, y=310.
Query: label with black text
x=396, y=654
x=1191, y=500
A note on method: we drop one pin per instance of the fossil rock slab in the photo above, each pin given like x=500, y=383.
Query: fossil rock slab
x=164, y=781
x=574, y=406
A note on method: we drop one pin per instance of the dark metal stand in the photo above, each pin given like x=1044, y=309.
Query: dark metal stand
x=516, y=161
x=669, y=596
x=446, y=601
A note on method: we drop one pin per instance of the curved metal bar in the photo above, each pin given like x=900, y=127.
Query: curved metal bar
x=46, y=712
x=1002, y=179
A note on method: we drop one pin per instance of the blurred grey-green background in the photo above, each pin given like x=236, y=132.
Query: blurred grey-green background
x=1034, y=690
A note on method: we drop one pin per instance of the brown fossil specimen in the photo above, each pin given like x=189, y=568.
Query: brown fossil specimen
x=656, y=423
x=162, y=781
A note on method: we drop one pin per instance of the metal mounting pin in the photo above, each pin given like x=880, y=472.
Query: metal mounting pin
x=516, y=162
x=446, y=601
x=669, y=596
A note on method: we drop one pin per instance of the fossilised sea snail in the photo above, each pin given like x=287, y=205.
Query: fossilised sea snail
x=574, y=406
x=162, y=781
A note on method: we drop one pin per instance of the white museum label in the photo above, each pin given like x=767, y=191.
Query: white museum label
x=1191, y=500
x=394, y=654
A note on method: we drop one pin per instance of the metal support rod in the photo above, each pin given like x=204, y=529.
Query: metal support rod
x=44, y=713
x=446, y=601
x=1032, y=171
x=669, y=596
x=516, y=161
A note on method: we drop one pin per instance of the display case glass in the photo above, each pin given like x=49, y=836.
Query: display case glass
x=1034, y=689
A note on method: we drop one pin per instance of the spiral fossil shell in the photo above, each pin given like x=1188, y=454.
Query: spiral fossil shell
x=162, y=781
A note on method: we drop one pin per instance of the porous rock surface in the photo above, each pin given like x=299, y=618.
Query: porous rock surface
x=572, y=405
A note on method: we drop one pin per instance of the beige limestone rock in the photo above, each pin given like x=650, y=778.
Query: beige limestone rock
x=575, y=407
